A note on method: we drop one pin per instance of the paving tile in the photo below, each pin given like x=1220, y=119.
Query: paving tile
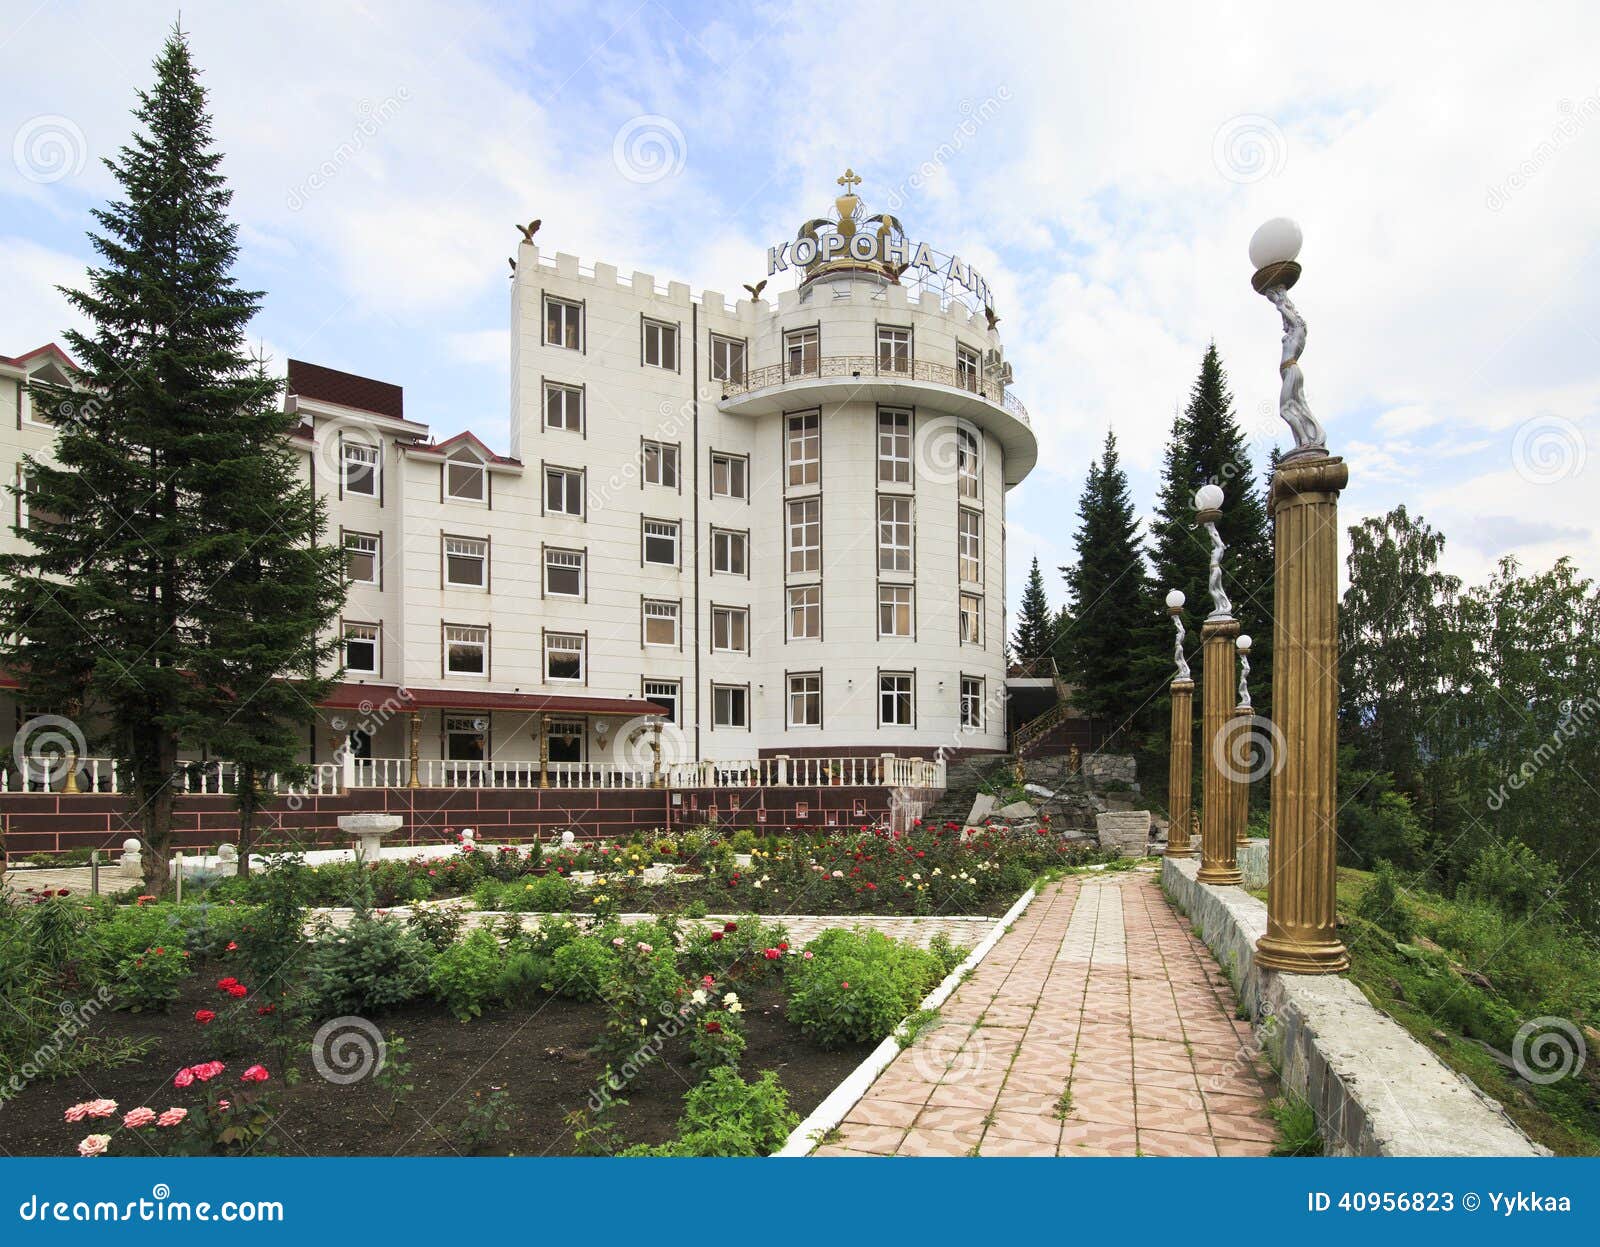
x=884, y=1139
x=1039, y=1128
x=939, y=1143
x=1000, y=1145
x=873, y=1111
x=1229, y=1126
x=1081, y=1138
x=1166, y=1143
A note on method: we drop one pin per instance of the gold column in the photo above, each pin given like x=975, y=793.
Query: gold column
x=1239, y=753
x=544, y=751
x=1219, y=862
x=655, y=750
x=71, y=786
x=1302, y=932
x=1180, y=772
x=415, y=722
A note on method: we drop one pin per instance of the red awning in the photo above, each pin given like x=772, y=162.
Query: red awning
x=369, y=697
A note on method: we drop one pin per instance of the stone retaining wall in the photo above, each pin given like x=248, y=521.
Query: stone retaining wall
x=1376, y=1090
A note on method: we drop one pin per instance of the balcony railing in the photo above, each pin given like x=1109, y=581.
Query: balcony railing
x=103, y=775
x=864, y=366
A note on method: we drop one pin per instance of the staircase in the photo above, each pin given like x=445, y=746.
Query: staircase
x=964, y=779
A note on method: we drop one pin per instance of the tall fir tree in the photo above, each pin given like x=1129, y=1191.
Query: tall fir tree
x=106, y=612
x=1208, y=447
x=1034, y=637
x=1108, y=596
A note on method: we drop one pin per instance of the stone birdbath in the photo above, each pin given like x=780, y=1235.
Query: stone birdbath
x=368, y=830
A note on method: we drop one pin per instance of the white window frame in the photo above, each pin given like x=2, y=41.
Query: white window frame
x=894, y=349
x=655, y=608
x=353, y=542
x=733, y=622
x=730, y=552
x=661, y=339
x=802, y=448
x=892, y=601
x=895, y=525
x=354, y=454
x=894, y=447
x=737, y=695
x=665, y=692
x=970, y=711
x=803, y=553
x=658, y=463
x=566, y=643
x=571, y=407
x=802, y=351
x=571, y=318
x=565, y=560
x=969, y=547
x=804, y=693
x=897, y=685
x=726, y=353
x=478, y=472
x=970, y=618
x=969, y=368
x=660, y=530
x=464, y=638
x=808, y=610
x=731, y=466
x=353, y=631
x=969, y=464
x=465, y=548
x=571, y=491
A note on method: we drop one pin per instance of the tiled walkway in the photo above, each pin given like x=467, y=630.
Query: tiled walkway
x=1098, y=1026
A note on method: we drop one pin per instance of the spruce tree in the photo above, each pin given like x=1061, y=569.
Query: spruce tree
x=1035, y=633
x=106, y=611
x=1108, y=595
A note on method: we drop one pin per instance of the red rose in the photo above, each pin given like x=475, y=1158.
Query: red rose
x=713, y=1027
x=716, y=935
x=264, y=1010
x=783, y=946
x=232, y=947
x=204, y=1016
x=255, y=1073
x=238, y=991
x=224, y=984
x=731, y=926
x=771, y=954
x=846, y=986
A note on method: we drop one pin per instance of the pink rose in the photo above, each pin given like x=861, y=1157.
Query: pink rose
x=77, y=1112
x=100, y=1108
x=172, y=1117
x=94, y=1145
x=183, y=1078
x=207, y=1070
x=135, y=1118
x=223, y=1106
x=256, y=1073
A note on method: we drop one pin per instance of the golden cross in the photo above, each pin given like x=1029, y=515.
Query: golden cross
x=849, y=180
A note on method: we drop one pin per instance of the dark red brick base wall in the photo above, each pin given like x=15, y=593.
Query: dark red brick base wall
x=52, y=822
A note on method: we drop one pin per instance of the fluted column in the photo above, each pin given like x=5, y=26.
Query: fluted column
x=1180, y=774
x=1243, y=737
x=1302, y=932
x=1219, y=862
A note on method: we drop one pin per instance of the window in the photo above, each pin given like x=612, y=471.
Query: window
x=566, y=740
x=894, y=610
x=466, y=480
x=805, y=700
x=563, y=407
x=361, y=648
x=661, y=542
x=896, y=701
x=563, y=323
x=730, y=705
x=663, y=693
x=31, y=516
x=894, y=349
x=971, y=702
x=967, y=479
x=359, y=468
x=563, y=491
x=800, y=352
x=805, y=535
x=729, y=552
x=805, y=613
x=730, y=629
x=971, y=619
x=894, y=447
x=967, y=368
x=466, y=739
x=466, y=563
x=660, y=623
x=361, y=558
x=803, y=449
x=564, y=655
x=894, y=533
x=563, y=573
x=660, y=465
x=727, y=359
x=661, y=345
x=729, y=476
x=466, y=650
x=971, y=547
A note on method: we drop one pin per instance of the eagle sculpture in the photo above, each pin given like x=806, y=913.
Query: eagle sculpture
x=755, y=290
x=530, y=229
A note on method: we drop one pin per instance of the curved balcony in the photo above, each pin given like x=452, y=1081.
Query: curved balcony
x=865, y=378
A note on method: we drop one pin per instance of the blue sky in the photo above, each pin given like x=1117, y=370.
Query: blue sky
x=1104, y=166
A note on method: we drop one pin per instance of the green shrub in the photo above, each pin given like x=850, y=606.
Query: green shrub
x=1513, y=878
x=523, y=975
x=151, y=979
x=581, y=967
x=1382, y=904
x=744, y=841
x=856, y=986
x=465, y=975
x=374, y=963
x=436, y=926
x=726, y=1116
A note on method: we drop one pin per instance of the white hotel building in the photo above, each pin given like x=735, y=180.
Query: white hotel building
x=778, y=521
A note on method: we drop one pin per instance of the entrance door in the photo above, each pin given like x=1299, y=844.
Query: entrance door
x=466, y=739
x=567, y=740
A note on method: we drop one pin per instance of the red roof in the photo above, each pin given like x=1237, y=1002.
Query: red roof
x=466, y=438
x=367, y=697
x=49, y=348
x=329, y=385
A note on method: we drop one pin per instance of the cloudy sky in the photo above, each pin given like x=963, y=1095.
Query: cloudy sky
x=1104, y=166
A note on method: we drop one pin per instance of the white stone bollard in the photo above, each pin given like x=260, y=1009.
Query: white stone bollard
x=132, y=860
x=368, y=831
